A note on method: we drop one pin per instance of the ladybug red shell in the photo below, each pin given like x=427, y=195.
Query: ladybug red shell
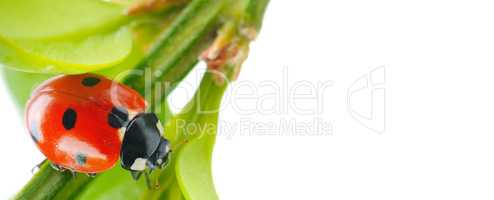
x=79, y=122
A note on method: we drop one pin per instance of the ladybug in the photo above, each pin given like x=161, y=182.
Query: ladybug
x=85, y=123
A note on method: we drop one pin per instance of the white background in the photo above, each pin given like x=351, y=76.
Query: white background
x=432, y=60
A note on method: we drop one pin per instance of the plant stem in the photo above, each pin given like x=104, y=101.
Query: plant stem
x=178, y=51
x=47, y=183
x=255, y=12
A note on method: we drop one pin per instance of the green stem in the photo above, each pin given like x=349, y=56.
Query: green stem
x=255, y=12
x=178, y=51
x=207, y=97
x=45, y=184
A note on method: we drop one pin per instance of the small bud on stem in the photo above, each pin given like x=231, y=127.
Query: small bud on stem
x=228, y=51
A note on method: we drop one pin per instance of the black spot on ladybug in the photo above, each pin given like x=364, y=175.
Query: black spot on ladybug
x=80, y=159
x=90, y=81
x=118, y=117
x=69, y=118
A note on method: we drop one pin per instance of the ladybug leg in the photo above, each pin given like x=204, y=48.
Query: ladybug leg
x=57, y=167
x=151, y=184
x=148, y=179
x=73, y=173
x=156, y=182
x=92, y=175
x=137, y=174
x=37, y=167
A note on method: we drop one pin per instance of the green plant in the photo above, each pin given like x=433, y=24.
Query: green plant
x=165, y=45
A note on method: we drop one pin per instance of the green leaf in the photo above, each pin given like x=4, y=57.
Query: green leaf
x=62, y=36
x=67, y=56
x=194, y=169
x=193, y=165
x=40, y=19
x=98, y=50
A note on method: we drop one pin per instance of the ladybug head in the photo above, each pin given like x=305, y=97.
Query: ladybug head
x=142, y=145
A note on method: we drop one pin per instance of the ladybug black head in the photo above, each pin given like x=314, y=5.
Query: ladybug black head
x=142, y=145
